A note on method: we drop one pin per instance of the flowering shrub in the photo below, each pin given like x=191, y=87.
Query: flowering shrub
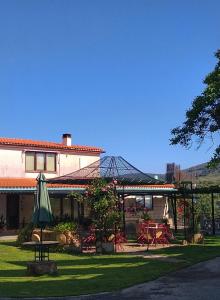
x=103, y=200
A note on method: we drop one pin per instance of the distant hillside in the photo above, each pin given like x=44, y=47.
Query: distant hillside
x=205, y=174
x=202, y=170
x=202, y=173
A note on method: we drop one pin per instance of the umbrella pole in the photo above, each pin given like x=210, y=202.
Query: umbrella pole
x=41, y=239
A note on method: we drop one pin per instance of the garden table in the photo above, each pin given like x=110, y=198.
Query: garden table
x=42, y=264
x=41, y=249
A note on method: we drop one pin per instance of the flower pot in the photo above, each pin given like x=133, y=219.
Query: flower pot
x=107, y=247
x=35, y=237
x=61, y=238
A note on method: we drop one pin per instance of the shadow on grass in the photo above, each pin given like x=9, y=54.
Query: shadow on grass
x=95, y=260
x=84, y=274
x=89, y=279
x=193, y=253
x=9, y=243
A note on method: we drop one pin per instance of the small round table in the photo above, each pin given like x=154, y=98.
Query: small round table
x=41, y=249
x=42, y=264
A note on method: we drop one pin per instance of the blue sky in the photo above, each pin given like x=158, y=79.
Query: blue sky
x=118, y=74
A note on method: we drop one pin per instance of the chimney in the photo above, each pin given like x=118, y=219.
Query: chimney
x=67, y=140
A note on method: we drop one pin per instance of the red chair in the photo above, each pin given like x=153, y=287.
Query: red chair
x=160, y=235
x=119, y=240
x=89, y=241
x=144, y=234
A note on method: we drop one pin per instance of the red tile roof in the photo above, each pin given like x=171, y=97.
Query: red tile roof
x=48, y=145
x=31, y=183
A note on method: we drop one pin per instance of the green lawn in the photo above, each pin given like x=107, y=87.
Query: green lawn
x=84, y=274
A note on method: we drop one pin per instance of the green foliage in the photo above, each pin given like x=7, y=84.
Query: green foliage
x=203, y=118
x=103, y=201
x=65, y=226
x=77, y=196
x=25, y=233
x=145, y=216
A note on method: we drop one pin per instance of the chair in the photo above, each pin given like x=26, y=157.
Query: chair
x=160, y=235
x=89, y=241
x=119, y=240
x=144, y=234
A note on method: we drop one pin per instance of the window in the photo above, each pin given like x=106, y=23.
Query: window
x=144, y=202
x=39, y=161
x=29, y=161
x=148, y=202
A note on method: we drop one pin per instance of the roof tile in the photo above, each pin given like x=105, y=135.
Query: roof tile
x=31, y=182
x=48, y=145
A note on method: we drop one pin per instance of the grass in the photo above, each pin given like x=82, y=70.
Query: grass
x=85, y=274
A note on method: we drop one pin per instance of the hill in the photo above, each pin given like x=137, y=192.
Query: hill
x=204, y=174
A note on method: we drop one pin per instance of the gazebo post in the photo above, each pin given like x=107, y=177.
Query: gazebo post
x=175, y=215
x=72, y=208
x=213, y=214
x=193, y=213
x=78, y=212
x=123, y=207
x=184, y=214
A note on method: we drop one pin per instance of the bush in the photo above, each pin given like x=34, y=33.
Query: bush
x=25, y=233
x=65, y=226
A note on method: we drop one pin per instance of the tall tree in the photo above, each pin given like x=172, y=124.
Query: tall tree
x=203, y=118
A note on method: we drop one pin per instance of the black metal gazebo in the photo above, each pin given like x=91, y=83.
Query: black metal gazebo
x=108, y=168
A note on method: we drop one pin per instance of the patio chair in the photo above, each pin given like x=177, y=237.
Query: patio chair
x=119, y=240
x=160, y=236
x=168, y=233
x=144, y=234
x=89, y=241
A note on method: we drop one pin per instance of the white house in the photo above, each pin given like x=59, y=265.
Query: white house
x=21, y=161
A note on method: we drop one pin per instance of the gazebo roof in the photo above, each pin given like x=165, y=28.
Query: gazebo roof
x=108, y=168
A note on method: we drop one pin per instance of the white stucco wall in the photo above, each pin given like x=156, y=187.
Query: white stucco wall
x=68, y=163
x=12, y=162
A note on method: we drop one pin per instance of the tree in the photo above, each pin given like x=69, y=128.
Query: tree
x=203, y=118
x=104, y=204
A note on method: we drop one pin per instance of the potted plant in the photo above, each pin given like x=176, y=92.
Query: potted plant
x=66, y=233
x=145, y=215
x=105, y=213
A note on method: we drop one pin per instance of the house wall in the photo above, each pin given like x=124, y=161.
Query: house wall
x=12, y=162
x=158, y=212
x=68, y=162
x=159, y=208
x=26, y=207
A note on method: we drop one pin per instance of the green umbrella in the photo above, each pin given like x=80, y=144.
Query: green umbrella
x=42, y=215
